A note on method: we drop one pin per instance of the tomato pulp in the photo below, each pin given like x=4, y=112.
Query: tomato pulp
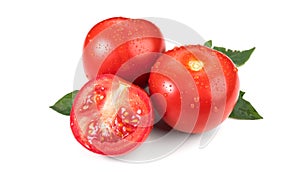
x=199, y=86
x=110, y=116
x=122, y=46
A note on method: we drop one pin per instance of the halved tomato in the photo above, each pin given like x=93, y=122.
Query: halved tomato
x=111, y=116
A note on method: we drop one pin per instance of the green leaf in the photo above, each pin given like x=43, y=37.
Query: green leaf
x=238, y=57
x=208, y=43
x=244, y=110
x=64, y=105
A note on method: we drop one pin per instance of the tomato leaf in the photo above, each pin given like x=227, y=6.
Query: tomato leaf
x=238, y=57
x=208, y=44
x=243, y=110
x=64, y=105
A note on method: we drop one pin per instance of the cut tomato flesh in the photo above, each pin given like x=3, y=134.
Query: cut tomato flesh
x=111, y=116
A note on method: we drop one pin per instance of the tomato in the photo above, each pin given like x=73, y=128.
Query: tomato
x=122, y=46
x=111, y=116
x=199, y=87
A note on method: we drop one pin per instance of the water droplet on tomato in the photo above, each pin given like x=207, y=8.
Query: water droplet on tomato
x=216, y=109
x=196, y=99
x=165, y=94
x=139, y=111
x=192, y=106
x=129, y=33
x=85, y=107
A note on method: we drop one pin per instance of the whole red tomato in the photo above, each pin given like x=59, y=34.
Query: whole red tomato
x=111, y=116
x=199, y=87
x=122, y=46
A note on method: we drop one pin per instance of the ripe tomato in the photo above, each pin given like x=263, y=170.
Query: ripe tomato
x=110, y=116
x=199, y=85
x=120, y=46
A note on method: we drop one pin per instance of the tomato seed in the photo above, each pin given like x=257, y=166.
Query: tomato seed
x=125, y=114
x=134, y=120
x=98, y=98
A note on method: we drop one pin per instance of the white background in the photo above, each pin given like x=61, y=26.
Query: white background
x=41, y=43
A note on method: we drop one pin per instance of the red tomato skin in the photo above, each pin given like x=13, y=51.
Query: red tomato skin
x=120, y=46
x=101, y=26
x=122, y=146
x=207, y=100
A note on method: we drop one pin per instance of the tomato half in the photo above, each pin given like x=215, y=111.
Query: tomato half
x=110, y=116
x=200, y=87
x=122, y=46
